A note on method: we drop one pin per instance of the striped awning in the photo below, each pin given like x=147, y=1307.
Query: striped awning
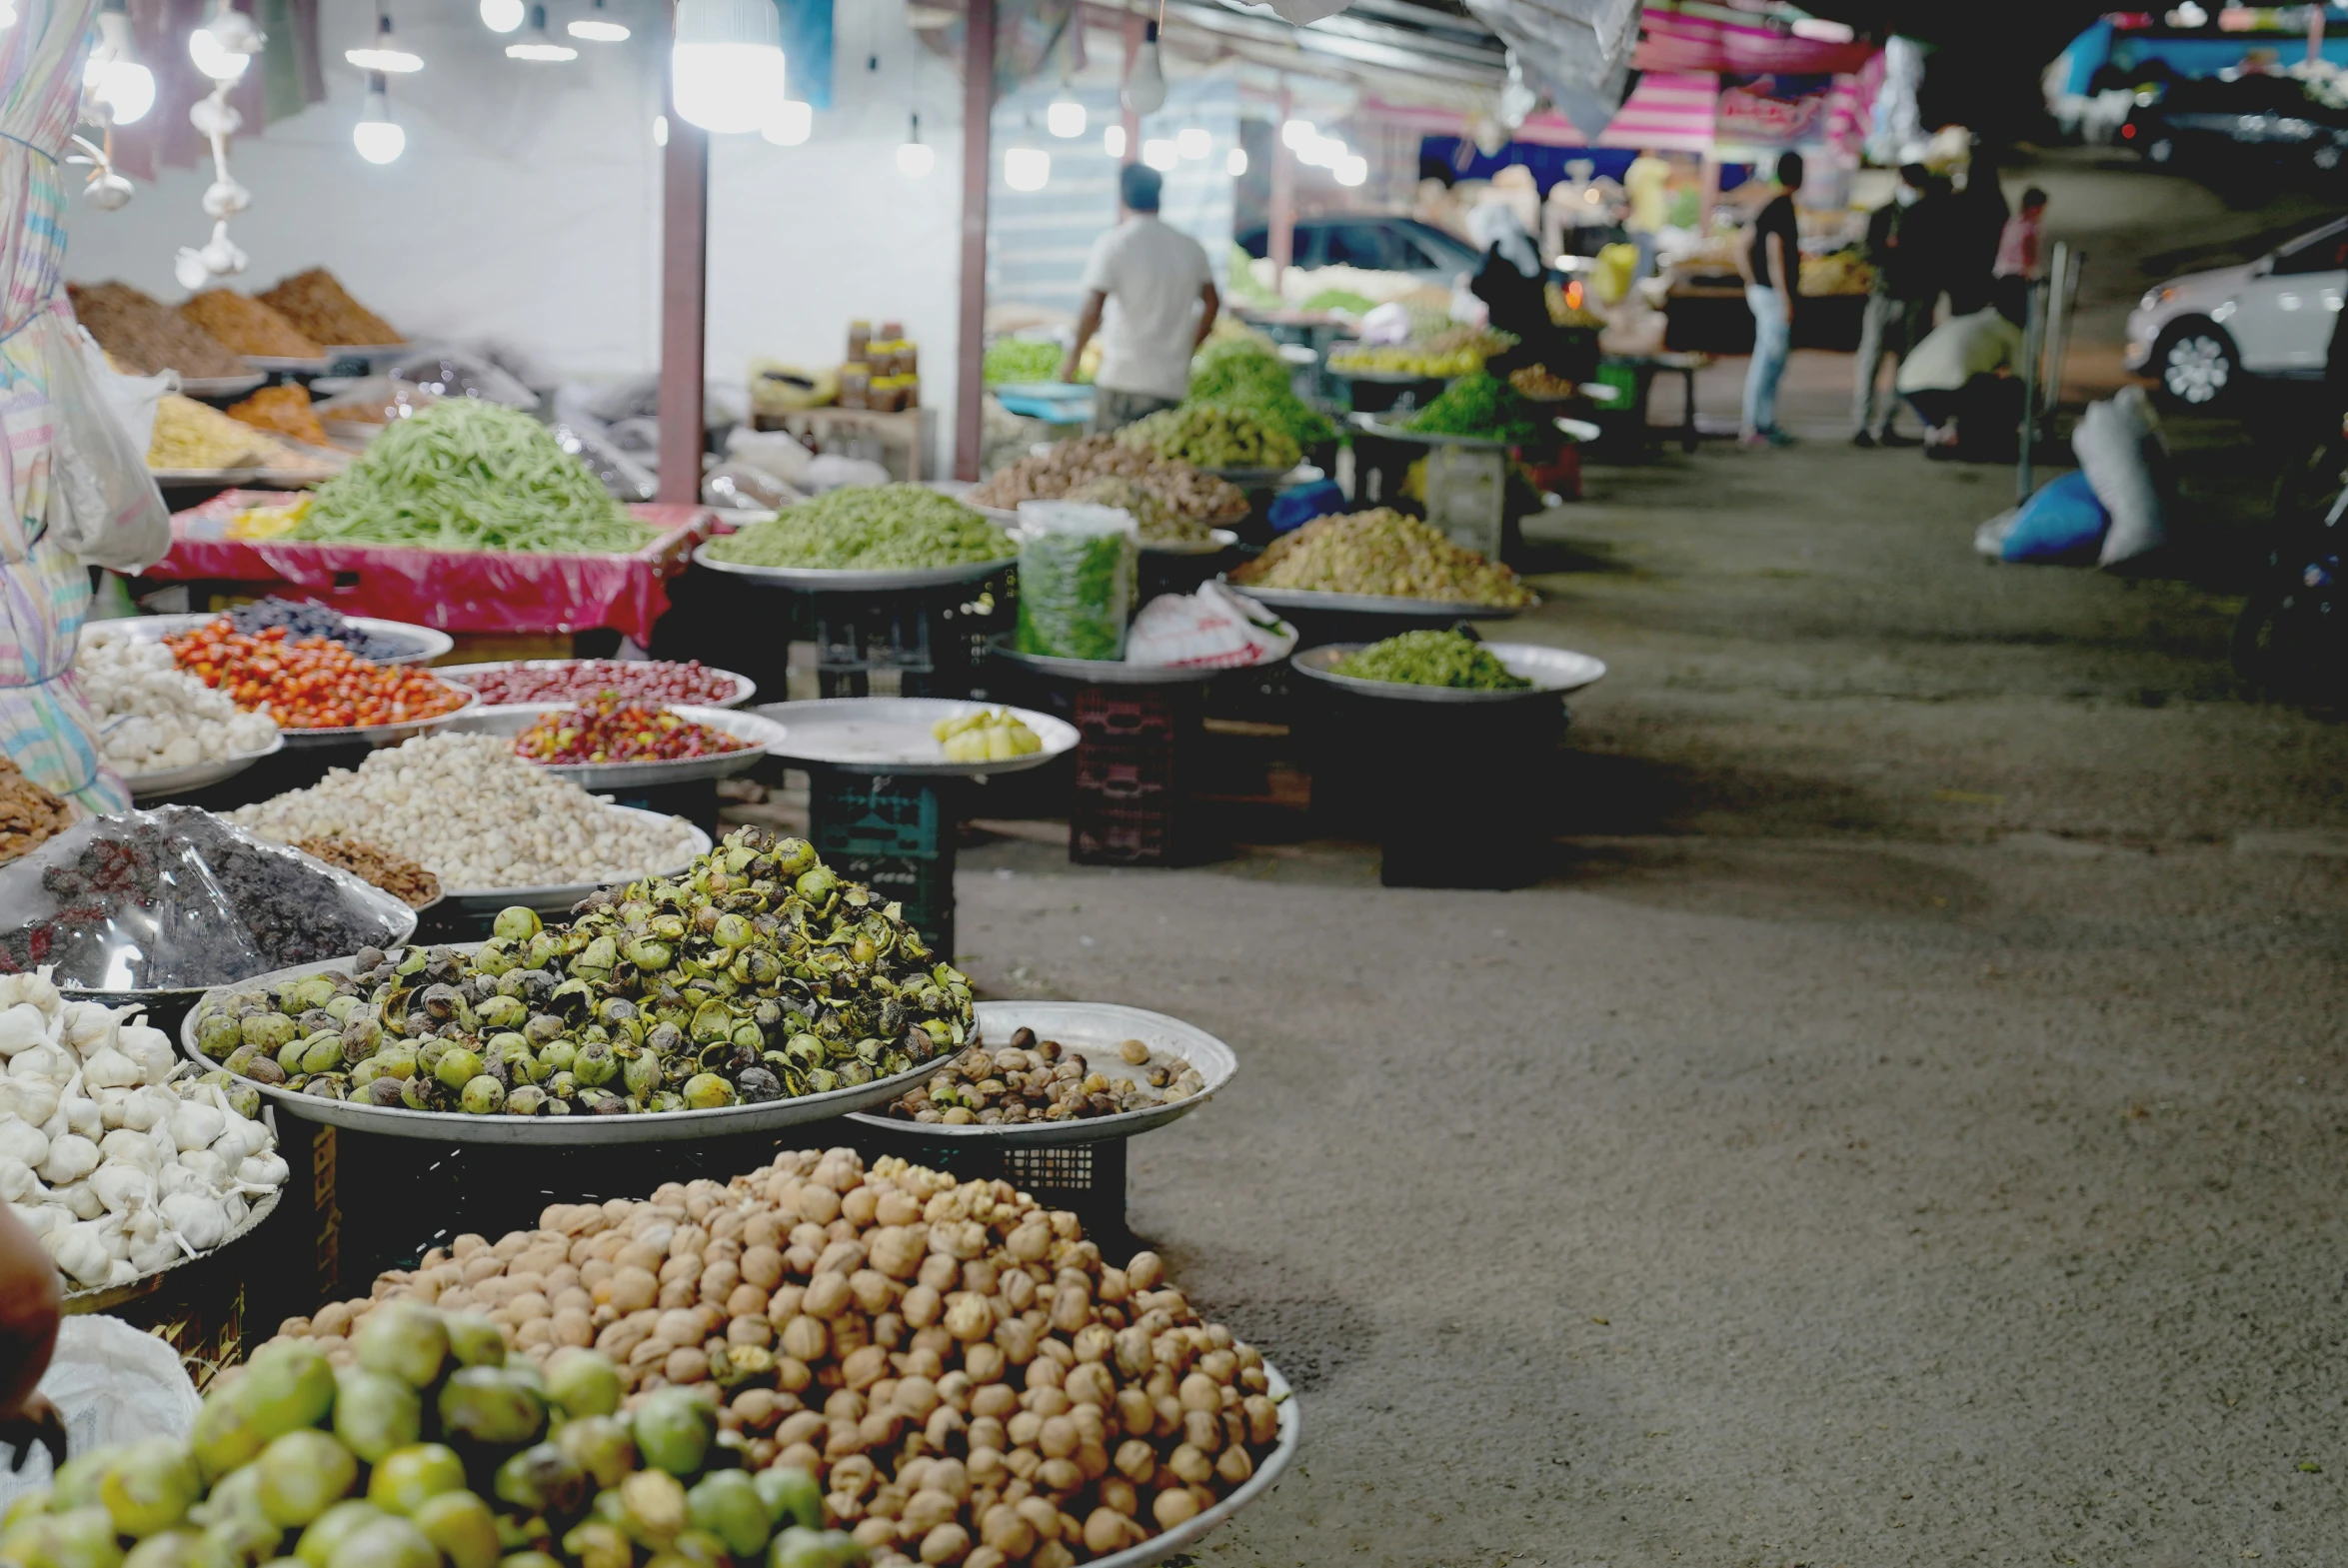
x=1675, y=40
x=1670, y=111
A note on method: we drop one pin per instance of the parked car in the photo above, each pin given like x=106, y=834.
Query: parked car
x=2209, y=119
x=1374, y=244
x=2200, y=335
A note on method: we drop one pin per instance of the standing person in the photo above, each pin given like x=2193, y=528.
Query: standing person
x=1511, y=284
x=2020, y=250
x=1647, y=183
x=1771, y=263
x=1900, y=306
x=1978, y=231
x=1165, y=307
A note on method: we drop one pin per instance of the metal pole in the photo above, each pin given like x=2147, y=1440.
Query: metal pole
x=2033, y=341
x=978, y=150
x=2061, y=307
x=1280, y=245
x=1129, y=120
x=685, y=248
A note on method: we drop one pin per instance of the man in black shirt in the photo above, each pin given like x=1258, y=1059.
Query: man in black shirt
x=1899, y=303
x=1773, y=272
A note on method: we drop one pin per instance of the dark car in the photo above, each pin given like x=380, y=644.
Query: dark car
x=1374, y=244
x=2208, y=119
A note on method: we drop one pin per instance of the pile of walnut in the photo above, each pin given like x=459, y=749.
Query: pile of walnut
x=954, y=1362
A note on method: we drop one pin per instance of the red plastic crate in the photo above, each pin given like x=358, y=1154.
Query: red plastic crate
x=1108, y=713
x=1126, y=772
x=1104, y=835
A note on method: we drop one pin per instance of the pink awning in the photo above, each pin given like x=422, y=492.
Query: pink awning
x=1675, y=41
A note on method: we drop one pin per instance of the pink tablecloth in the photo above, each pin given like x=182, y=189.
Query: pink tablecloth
x=452, y=591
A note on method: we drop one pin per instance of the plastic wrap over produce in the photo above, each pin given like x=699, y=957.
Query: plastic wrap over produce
x=1076, y=578
x=175, y=899
x=452, y=590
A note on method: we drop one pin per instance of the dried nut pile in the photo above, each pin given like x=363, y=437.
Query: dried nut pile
x=966, y=1378
x=143, y=335
x=28, y=813
x=320, y=309
x=470, y=812
x=249, y=327
x=1051, y=475
x=1381, y=551
x=1038, y=1080
x=396, y=875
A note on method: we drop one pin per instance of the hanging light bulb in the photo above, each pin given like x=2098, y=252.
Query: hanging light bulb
x=1113, y=141
x=1161, y=153
x=660, y=130
x=1026, y=166
x=1296, y=135
x=1065, y=116
x=1194, y=142
x=793, y=122
x=1236, y=164
x=114, y=79
x=503, y=16
x=381, y=56
x=538, y=45
x=377, y=135
x=1145, y=90
x=225, y=45
x=727, y=67
x=597, y=27
x=1352, y=169
x=915, y=157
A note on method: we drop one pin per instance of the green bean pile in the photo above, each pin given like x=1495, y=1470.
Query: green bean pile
x=869, y=528
x=469, y=474
x=1431, y=658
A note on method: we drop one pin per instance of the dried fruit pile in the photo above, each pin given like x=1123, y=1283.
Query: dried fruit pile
x=956, y=1368
x=310, y=684
x=248, y=325
x=321, y=309
x=143, y=335
x=28, y=813
x=558, y=679
x=609, y=728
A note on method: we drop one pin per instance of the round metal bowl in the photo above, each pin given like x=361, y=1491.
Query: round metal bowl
x=1310, y=599
x=666, y=1126
x=1187, y=1534
x=744, y=687
x=291, y=363
x=169, y=781
x=424, y=644
x=1088, y=1027
x=1553, y=671
x=816, y=580
x=1384, y=432
x=105, y=1298
x=557, y=898
x=758, y=736
x=1217, y=541
x=1104, y=671
x=219, y=386
x=381, y=735
x=891, y=735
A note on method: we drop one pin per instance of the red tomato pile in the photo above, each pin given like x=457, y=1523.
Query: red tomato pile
x=654, y=680
x=609, y=729
x=310, y=684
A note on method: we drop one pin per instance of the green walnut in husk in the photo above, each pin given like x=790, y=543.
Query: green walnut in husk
x=757, y=975
x=1431, y=658
x=470, y=1494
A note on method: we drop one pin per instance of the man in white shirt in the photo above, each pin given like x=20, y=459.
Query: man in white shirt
x=1165, y=306
x=1960, y=380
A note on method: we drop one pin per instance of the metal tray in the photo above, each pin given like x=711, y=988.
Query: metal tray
x=762, y=734
x=281, y=362
x=1106, y=672
x=1310, y=599
x=1187, y=1534
x=1384, y=432
x=1385, y=377
x=744, y=687
x=449, y=1126
x=558, y=897
x=105, y=1298
x=1217, y=541
x=816, y=580
x=381, y=735
x=1088, y=1027
x=891, y=735
x=1262, y=478
x=428, y=644
x=219, y=386
x=181, y=780
x=1552, y=672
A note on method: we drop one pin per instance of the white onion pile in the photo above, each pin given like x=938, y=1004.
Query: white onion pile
x=153, y=715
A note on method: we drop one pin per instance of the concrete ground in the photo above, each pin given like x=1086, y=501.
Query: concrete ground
x=1909, y=1128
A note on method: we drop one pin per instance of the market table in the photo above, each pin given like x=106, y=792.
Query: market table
x=918, y=626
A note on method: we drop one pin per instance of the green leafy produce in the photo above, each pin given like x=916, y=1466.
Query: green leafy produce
x=757, y=975
x=308, y=1501
x=1381, y=551
x=469, y=474
x=1482, y=405
x=1246, y=376
x=1431, y=658
x=1015, y=360
x=1340, y=300
x=1214, y=437
x=869, y=528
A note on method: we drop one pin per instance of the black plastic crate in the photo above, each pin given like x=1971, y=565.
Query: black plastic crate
x=1087, y=1179
x=861, y=813
x=922, y=883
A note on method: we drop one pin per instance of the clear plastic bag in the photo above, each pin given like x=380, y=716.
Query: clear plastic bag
x=374, y=399
x=174, y=899
x=111, y=1384
x=457, y=373
x=1077, y=565
x=103, y=505
x=738, y=487
x=577, y=430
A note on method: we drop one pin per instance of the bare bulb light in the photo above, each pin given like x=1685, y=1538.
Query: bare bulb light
x=1113, y=141
x=1236, y=164
x=1296, y=135
x=1352, y=169
x=915, y=157
x=1026, y=168
x=1065, y=117
x=377, y=136
x=1195, y=143
x=538, y=45
x=792, y=124
x=1161, y=153
x=597, y=27
x=726, y=69
x=503, y=16
x=381, y=56
x=1144, y=89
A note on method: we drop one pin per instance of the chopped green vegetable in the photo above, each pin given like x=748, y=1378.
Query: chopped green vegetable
x=1074, y=583
x=1340, y=300
x=1214, y=437
x=1010, y=360
x=1480, y=405
x=1245, y=376
x=869, y=528
x=469, y=474
x=1431, y=658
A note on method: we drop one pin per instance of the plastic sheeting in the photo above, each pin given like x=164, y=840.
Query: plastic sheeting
x=452, y=591
x=1578, y=52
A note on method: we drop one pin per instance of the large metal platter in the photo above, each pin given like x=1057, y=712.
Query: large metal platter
x=105, y=1298
x=381, y=735
x=1217, y=541
x=666, y=1126
x=424, y=644
x=1384, y=432
x=1090, y=1027
x=219, y=386
x=1104, y=671
x=558, y=898
x=1552, y=672
x=292, y=363
x=813, y=580
x=891, y=735
x=1187, y=1534
x=181, y=780
x=1261, y=478
x=760, y=735
x=1309, y=600
x=744, y=687
x=1384, y=378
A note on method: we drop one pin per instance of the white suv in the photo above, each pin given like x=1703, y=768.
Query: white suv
x=2199, y=335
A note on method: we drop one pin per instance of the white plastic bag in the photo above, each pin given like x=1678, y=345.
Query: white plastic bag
x=103, y=504
x=111, y=1384
x=1214, y=629
x=2119, y=445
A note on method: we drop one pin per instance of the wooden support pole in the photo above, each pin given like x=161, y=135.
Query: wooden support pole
x=978, y=151
x=1126, y=118
x=1280, y=245
x=684, y=250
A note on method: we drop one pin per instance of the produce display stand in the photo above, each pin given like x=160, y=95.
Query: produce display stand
x=881, y=801
x=1467, y=483
x=1457, y=784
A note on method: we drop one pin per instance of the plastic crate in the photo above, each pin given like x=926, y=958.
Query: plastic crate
x=1104, y=712
x=1100, y=833
x=1130, y=772
x=922, y=883
x=1087, y=1179
x=873, y=815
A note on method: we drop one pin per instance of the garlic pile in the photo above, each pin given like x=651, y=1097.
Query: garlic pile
x=118, y=1162
x=153, y=716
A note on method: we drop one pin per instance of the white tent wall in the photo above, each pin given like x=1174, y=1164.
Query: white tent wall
x=527, y=206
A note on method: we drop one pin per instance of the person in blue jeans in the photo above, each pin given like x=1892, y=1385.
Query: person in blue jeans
x=1773, y=263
